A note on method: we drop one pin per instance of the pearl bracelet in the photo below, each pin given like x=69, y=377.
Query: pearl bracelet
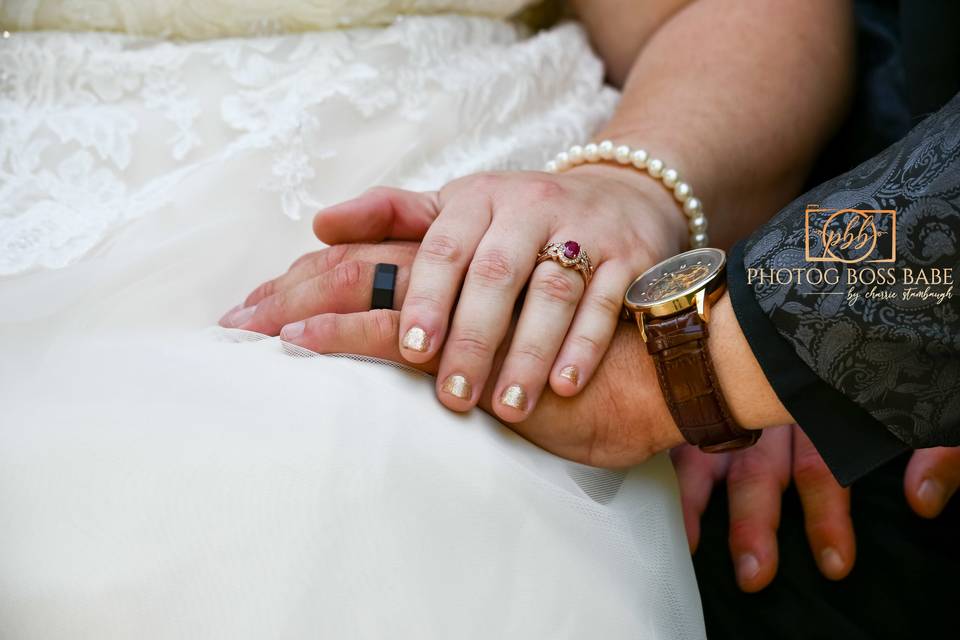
x=640, y=159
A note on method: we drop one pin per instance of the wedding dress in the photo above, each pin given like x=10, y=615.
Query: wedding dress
x=164, y=478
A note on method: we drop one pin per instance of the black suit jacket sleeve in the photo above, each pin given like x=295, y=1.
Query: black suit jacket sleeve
x=869, y=378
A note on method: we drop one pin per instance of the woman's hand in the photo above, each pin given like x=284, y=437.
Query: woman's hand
x=480, y=238
x=322, y=303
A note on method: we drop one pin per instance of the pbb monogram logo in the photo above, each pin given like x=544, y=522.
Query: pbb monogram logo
x=850, y=235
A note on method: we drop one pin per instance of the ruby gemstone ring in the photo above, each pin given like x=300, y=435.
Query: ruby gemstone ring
x=569, y=254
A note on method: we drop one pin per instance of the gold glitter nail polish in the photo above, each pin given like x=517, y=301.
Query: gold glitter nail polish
x=514, y=396
x=571, y=373
x=416, y=339
x=457, y=385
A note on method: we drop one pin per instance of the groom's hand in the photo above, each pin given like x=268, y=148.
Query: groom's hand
x=323, y=301
x=756, y=479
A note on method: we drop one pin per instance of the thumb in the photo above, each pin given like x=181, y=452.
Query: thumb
x=382, y=213
x=931, y=478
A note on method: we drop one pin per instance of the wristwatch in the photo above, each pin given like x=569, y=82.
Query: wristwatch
x=671, y=304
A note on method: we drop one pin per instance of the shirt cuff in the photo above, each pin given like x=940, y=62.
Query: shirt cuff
x=850, y=440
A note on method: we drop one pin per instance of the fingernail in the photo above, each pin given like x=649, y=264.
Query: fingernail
x=457, y=385
x=571, y=373
x=416, y=339
x=831, y=561
x=514, y=396
x=747, y=566
x=931, y=493
x=292, y=331
x=239, y=317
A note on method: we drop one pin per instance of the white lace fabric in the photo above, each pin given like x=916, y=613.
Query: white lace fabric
x=162, y=480
x=101, y=129
x=203, y=19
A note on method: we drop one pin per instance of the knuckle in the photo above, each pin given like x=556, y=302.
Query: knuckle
x=557, y=286
x=322, y=330
x=263, y=292
x=749, y=469
x=275, y=307
x=379, y=191
x=493, y=267
x=424, y=300
x=606, y=303
x=484, y=181
x=539, y=189
x=383, y=327
x=471, y=343
x=532, y=352
x=348, y=275
x=745, y=530
x=588, y=344
x=442, y=249
x=332, y=256
x=809, y=468
x=302, y=260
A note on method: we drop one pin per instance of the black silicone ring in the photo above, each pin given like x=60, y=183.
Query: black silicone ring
x=384, y=283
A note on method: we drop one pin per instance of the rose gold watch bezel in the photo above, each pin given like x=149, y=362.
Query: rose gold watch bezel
x=702, y=297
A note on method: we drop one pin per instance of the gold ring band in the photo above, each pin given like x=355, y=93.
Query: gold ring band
x=570, y=255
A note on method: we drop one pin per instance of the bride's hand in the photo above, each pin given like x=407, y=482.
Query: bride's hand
x=323, y=301
x=480, y=239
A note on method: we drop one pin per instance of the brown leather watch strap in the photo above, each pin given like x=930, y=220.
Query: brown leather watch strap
x=678, y=344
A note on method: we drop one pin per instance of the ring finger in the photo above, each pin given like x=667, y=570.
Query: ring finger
x=551, y=301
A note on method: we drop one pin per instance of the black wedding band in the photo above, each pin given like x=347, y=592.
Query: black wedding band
x=384, y=284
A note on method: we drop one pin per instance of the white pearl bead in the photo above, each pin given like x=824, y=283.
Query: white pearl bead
x=698, y=224
x=622, y=154
x=670, y=177
x=639, y=158
x=576, y=154
x=692, y=206
x=698, y=240
x=655, y=167
x=591, y=153
x=606, y=150
x=551, y=167
x=682, y=191
x=563, y=161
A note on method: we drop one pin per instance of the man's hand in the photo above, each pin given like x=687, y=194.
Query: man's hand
x=322, y=303
x=756, y=479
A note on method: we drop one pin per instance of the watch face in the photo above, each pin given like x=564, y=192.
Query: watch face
x=675, y=277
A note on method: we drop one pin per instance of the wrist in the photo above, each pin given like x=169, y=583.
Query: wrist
x=656, y=214
x=637, y=403
x=749, y=396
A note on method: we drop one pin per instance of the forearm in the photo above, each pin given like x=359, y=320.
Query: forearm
x=739, y=96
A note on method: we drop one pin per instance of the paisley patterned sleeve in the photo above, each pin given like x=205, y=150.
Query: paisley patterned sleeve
x=867, y=299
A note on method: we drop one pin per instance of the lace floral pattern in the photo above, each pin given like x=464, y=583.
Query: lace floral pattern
x=101, y=129
x=202, y=19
